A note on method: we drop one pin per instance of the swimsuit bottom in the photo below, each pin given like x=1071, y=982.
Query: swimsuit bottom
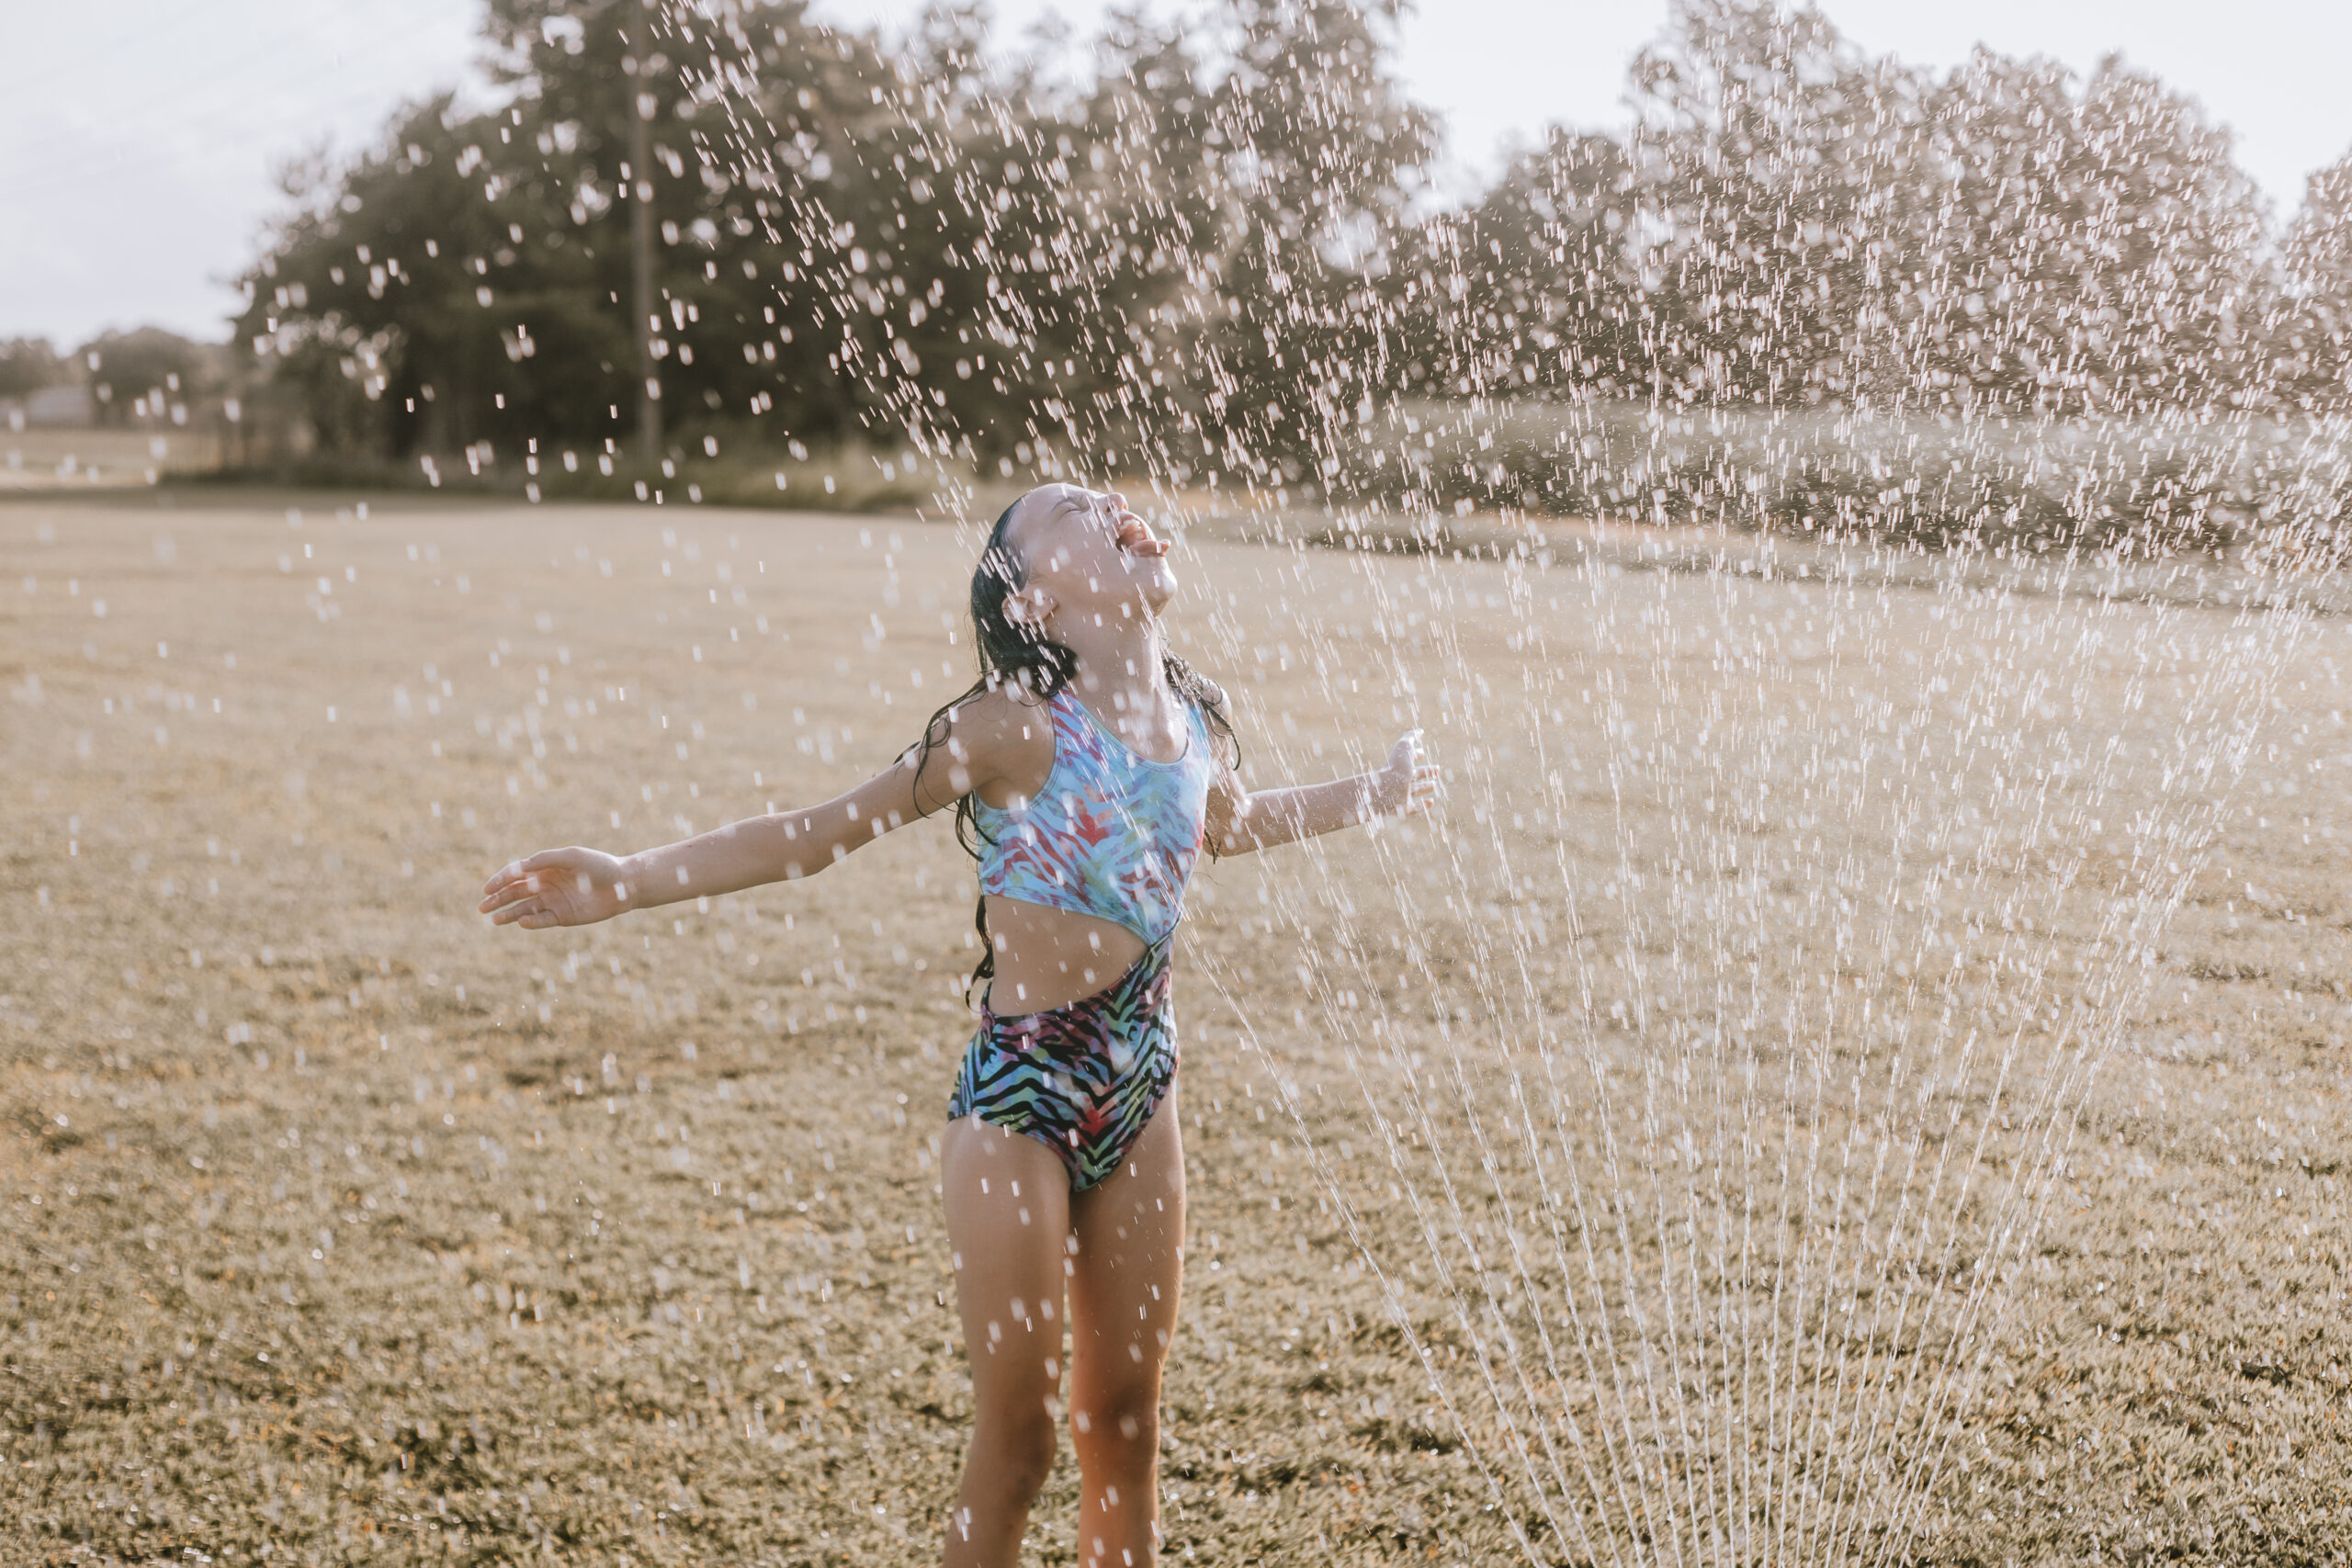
x=1084, y=1078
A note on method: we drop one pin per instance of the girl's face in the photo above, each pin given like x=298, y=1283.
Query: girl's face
x=1085, y=554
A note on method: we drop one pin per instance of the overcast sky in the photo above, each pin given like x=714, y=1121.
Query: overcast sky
x=138, y=137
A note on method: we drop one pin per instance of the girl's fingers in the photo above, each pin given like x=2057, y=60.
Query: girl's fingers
x=516, y=870
x=507, y=893
x=521, y=900
x=511, y=874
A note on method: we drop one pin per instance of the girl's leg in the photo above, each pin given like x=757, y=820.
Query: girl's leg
x=1008, y=1224
x=1130, y=1232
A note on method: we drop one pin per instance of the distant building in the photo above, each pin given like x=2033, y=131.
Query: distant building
x=51, y=408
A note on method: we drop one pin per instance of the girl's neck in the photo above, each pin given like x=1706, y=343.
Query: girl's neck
x=1119, y=673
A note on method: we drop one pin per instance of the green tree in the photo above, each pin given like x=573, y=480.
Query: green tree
x=1775, y=161
x=27, y=364
x=151, y=366
x=472, y=273
x=2312, y=341
x=1317, y=155
x=1543, y=277
x=437, y=292
x=2093, y=249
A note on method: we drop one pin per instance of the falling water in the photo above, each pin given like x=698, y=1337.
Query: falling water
x=1731, y=1069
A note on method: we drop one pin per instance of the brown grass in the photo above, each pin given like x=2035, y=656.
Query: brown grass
x=339, y=1225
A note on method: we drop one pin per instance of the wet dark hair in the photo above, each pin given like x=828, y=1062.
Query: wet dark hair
x=1022, y=660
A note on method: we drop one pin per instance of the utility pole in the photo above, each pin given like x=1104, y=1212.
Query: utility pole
x=640, y=168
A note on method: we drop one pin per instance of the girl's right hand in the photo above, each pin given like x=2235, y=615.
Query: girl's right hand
x=1408, y=784
x=557, y=887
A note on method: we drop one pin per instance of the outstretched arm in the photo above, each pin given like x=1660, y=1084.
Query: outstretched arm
x=576, y=886
x=1239, y=821
x=783, y=847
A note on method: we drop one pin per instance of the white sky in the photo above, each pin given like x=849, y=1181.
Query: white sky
x=138, y=137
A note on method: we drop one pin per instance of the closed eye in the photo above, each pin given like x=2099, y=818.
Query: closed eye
x=1100, y=515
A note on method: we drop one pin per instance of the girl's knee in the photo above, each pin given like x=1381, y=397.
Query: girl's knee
x=1018, y=1449
x=1123, y=1419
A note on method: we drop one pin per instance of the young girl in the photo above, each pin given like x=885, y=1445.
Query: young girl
x=1086, y=771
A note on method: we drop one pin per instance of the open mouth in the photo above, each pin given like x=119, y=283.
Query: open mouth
x=1136, y=537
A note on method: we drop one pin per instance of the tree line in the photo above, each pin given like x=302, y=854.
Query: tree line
x=1211, y=248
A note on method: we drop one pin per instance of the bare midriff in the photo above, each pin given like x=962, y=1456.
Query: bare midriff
x=1047, y=958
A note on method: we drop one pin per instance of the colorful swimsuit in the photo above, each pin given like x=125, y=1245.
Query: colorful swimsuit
x=1113, y=835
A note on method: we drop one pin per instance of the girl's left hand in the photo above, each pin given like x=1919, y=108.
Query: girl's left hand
x=1407, y=784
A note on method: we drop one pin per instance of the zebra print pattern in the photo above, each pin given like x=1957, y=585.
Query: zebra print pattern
x=1082, y=1079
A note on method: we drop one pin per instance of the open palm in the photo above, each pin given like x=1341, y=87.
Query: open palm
x=557, y=887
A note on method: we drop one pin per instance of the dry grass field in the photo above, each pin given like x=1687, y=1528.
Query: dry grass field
x=335, y=1228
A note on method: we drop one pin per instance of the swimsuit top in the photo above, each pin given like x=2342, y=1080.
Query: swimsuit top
x=1109, y=834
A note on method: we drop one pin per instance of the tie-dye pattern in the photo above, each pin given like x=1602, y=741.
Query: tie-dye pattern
x=1109, y=834
x=1082, y=1079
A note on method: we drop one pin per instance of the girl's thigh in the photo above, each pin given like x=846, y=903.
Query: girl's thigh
x=1129, y=1268
x=1008, y=1224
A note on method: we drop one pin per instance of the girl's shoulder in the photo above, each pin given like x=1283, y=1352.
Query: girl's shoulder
x=1012, y=723
x=1005, y=703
